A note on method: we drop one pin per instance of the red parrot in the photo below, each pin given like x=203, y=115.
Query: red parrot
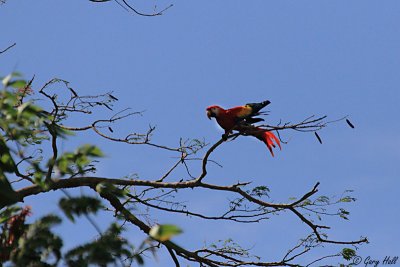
x=241, y=119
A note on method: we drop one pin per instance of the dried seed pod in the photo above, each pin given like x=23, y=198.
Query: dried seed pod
x=349, y=123
x=319, y=138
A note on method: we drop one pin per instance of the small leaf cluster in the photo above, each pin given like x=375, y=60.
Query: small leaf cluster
x=77, y=161
x=109, y=188
x=260, y=191
x=79, y=206
x=348, y=253
x=21, y=122
x=108, y=249
x=36, y=244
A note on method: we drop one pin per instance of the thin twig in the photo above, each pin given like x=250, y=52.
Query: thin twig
x=9, y=47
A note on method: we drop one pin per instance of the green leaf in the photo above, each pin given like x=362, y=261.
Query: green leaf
x=7, y=163
x=347, y=199
x=75, y=162
x=16, y=74
x=38, y=179
x=107, y=250
x=8, y=212
x=109, y=188
x=139, y=259
x=21, y=108
x=260, y=191
x=164, y=232
x=90, y=150
x=348, y=253
x=323, y=199
x=343, y=213
x=7, y=194
x=54, y=129
x=5, y=80
x=79, y=205
x=18, y=84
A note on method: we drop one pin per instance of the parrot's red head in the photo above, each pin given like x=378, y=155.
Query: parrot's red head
x=214, y=111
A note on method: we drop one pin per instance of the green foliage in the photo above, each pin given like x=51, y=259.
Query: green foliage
x=322, y=200
x=7, y=195
x=27, y=125
x=79, y=205
x=109, y=188
x=343, y=213
x=56, y=130
x=260, y=191
x=6, y=213
x=9, y=80
x=306, y=202
x=39, y=244
x=164, y=232
x=348, y=253
x=347, y=198
x=77, y=161
x=21, y=122
x=7, y=163
x=17, y=84
x=108, y=249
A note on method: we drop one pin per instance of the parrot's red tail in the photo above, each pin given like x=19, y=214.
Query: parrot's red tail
x=261, y=134
x=268, y=138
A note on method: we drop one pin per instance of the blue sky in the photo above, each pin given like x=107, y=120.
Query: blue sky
x=307, y=57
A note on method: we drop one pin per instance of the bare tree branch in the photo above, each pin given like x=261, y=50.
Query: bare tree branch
x=9, y=47
x=93, y=181
x=128, y=7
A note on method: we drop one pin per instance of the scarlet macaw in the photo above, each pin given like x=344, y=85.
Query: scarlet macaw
x=241, y=119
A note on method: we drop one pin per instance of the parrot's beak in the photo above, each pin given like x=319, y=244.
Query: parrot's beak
x=209, y=114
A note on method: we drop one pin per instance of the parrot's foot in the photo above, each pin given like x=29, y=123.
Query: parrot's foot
x=225, y=137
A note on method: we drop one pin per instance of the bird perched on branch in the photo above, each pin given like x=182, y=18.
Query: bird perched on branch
x=241, y=119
